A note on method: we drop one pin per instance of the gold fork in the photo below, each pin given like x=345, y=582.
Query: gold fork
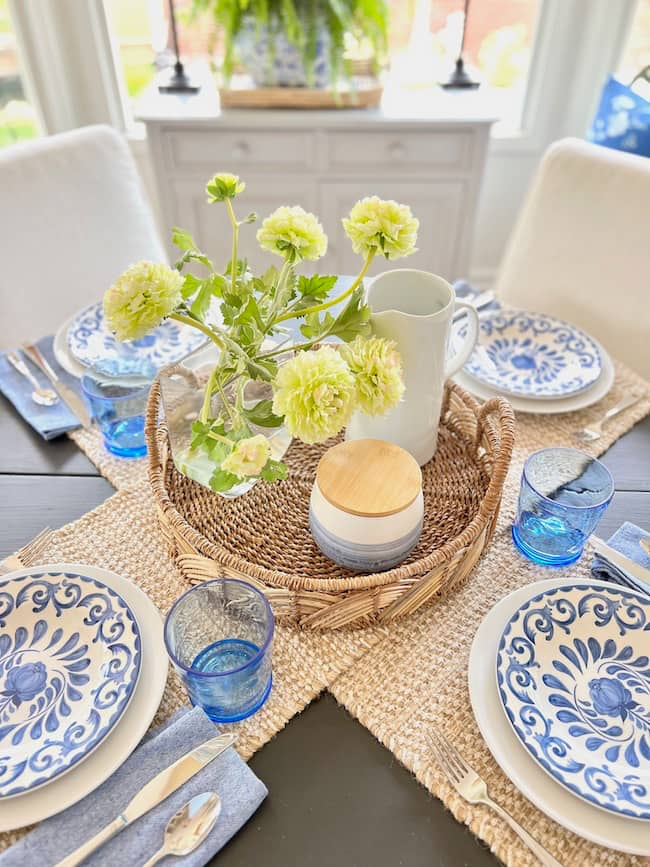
x=473, y=788
x=28, y=554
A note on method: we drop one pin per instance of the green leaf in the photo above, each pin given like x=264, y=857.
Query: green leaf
x=274, y=471
x=222, y=480
x=316, y=287
x=191, y=284
x=262, y=414
x=352, y=320
x=183, y=240
x=201, y=303
x=202, y=440
x=250, y=313
x=218, y=284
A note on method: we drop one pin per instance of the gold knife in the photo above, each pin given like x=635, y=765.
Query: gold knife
x=68, y=395
x=152, y=794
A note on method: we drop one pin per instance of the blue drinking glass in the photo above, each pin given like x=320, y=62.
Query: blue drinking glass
x=219, y=637
x=116, y=393
x=563, y=495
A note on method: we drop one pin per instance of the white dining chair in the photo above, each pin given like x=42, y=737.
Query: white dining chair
x=73, y=216
x=580, y=249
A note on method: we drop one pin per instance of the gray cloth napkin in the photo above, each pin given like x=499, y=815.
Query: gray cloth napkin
x=48, y=421
x=241, y=793
x=626, y=541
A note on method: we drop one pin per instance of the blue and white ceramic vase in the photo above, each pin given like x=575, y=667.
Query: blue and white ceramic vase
x=273, y=61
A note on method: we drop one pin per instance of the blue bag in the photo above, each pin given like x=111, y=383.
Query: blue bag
x=622, y=121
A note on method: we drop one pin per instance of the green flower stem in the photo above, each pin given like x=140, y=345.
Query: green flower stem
x=234, y=417
x=215, y=436
x=282, y=280
x=317, y=308
x=235, y=238
x=196, y=323
x=295, y=347
x=209, y=388
x=205, y=408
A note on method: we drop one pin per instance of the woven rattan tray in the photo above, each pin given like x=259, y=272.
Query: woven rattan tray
x=264, y=535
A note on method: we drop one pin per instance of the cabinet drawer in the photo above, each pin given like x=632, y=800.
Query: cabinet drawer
x=400, y=152
x=209, y=151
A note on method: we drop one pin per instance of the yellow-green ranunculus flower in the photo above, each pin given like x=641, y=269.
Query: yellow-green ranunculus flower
x=141, y=298
x=377, y=369
x=383, y=227
x=248, y=457
x=293, y=233
x=224, y=186
x=314, y=391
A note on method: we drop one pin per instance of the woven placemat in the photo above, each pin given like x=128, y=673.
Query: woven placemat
x=396, y=680
x=122, y=535
x=416, y=678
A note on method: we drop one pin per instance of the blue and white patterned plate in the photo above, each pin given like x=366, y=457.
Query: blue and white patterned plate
x=69, y=662
x=90, y=341
x=574, y=678
x=532, y=355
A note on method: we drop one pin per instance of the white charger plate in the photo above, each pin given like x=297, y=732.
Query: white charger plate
x=21, y=810
x=547, y=406
x=599, y=826
x=62, y=352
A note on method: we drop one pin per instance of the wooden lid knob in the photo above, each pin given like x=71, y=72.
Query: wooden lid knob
x=369, y=477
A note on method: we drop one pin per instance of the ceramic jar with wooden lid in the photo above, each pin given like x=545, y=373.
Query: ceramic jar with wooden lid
x=366, y=507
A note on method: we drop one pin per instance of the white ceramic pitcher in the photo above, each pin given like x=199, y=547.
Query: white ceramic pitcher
x=415, y=309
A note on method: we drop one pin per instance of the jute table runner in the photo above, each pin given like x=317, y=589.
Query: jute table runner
x=396, y=680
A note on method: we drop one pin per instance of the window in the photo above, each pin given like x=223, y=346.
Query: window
x=636, y=54
x=142, y=41
x=425, y=38
x=18, y=119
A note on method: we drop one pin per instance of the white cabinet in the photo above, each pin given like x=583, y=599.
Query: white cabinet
x=324, y=161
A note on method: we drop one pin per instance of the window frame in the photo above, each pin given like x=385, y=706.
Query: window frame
x=576, y=45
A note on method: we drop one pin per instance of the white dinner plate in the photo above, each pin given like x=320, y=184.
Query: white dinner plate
x=70, y=655
x=61, y=792
x=592, y=823
x=532, y=355
x=547, y=406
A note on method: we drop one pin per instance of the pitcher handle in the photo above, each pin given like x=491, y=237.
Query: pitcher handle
x=471, y=339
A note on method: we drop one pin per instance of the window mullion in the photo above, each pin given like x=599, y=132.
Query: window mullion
x=67, y=54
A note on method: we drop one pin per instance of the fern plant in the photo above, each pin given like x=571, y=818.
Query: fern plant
x=301, y=21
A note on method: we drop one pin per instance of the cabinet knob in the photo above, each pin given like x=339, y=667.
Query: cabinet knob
x=240, y=150
x=397, y=150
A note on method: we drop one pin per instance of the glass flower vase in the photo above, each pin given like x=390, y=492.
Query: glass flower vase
x=182, y=387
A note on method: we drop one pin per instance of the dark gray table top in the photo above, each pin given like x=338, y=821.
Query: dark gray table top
x=336, y=795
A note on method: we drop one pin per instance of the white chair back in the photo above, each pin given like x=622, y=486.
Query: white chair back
x=72, y=217
x=580, y=249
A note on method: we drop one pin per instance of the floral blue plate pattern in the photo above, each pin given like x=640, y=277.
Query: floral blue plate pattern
x=90, y=341
x=532, y=355
x=574, y=678
x=70, y=657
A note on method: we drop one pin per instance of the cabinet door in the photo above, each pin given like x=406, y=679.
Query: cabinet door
x=210, y=225
x=438, y=205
